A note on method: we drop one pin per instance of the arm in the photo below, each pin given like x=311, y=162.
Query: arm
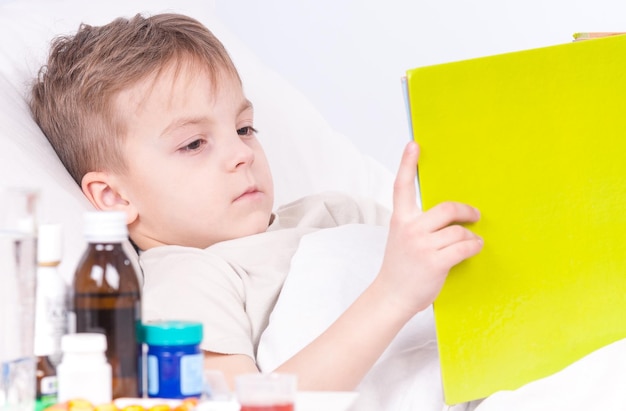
x=421, y=248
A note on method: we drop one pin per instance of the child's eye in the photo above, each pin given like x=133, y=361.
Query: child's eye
x=246, y=131
x=194, y=145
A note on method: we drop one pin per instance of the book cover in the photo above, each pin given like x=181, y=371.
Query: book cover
x=536, y=140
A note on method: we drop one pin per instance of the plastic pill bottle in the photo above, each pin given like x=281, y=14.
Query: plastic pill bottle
x=84, y=371
x=175, y=362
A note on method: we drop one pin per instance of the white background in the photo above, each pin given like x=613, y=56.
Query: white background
x=348, y=56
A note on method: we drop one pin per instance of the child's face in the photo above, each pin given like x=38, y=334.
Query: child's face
x=197, y=174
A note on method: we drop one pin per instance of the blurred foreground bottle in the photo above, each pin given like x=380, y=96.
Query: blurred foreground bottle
x=50, y=312
x=84, y=372
x=106, y=297
x=18, y=261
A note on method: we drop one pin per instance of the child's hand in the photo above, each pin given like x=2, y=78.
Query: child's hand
x=423, y=246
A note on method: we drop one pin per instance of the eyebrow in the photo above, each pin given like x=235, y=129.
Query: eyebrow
x=245, y=105
x=185, y=121
x=180, y=123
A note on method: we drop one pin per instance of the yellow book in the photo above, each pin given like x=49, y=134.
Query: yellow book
x=536, y=140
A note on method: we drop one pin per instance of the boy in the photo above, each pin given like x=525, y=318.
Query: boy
x=149, y=117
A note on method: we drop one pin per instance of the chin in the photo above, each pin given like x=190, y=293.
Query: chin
x=259, y=224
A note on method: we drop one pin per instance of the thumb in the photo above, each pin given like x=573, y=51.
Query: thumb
x=404, y=191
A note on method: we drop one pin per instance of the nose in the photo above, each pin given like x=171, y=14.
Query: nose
x=238, y=153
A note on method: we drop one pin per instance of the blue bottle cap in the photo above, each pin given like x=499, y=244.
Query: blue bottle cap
x=172, y=332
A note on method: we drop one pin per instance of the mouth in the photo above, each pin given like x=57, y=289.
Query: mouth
x=250, y=193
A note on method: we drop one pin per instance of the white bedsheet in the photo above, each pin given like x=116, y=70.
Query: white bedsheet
x=330, y=270
x=597, y=382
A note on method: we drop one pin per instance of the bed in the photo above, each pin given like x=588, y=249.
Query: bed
x=304, y=160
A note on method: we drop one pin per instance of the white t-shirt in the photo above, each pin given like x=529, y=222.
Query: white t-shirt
x=231, y=287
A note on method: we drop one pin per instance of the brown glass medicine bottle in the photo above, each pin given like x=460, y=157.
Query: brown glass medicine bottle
x=106, y=297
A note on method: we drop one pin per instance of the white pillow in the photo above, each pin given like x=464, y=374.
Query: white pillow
x=305, y=153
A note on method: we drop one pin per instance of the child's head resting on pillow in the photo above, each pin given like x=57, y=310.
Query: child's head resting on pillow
x=149, y=116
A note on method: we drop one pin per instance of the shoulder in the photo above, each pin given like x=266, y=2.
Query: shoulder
x=191, y=277
x=187, y=267
x=197, y=285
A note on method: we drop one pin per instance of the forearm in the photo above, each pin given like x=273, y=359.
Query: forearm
x=340, y=357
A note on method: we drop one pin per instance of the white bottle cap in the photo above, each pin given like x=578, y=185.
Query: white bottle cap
x=105, y=226
x=83, y=343
x=50, y=243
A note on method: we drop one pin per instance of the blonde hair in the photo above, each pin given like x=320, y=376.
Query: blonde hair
x=72, y=98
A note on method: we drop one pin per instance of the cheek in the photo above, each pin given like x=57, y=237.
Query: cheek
x=269, y=181
x=148, y=185
x=269, y=178
x=262, y=163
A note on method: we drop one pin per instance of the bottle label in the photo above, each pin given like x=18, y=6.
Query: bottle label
x=71, y=322
x=153, y=375
x=173, y=376
x=48, y=385
x=191, y=374
x=51, y=324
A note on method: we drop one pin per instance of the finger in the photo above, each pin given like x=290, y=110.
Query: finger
x=460, y=251
x=404, y=192
x=450, y=212
x=450, y=235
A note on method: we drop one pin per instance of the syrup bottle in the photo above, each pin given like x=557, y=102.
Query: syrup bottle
x=106, y=297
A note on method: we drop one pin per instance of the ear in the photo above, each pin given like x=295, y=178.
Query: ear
x=101, y=190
